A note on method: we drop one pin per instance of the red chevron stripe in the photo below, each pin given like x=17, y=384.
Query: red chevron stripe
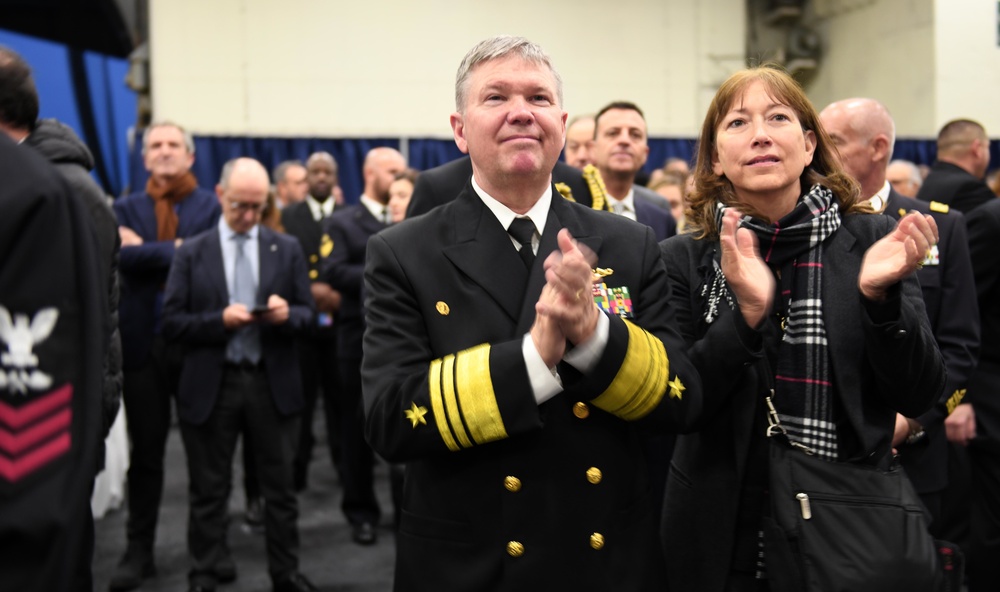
x=14, y=470
x=13, y=444
x=17, y=417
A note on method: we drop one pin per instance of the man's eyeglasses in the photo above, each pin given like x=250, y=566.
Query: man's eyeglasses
x=245, y=206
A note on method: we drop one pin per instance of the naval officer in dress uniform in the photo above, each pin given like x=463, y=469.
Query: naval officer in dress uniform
x=516, y=345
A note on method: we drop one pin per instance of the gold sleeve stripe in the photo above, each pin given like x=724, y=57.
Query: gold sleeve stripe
x=475, y=392
x=641, y=381
x=451, y=402
x=437, y=405
x=954, y=400
x=461, y=393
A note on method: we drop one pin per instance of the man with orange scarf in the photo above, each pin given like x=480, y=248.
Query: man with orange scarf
x=153, y=223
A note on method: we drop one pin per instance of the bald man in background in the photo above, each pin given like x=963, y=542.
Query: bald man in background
x=962, y=159
x=864, y=133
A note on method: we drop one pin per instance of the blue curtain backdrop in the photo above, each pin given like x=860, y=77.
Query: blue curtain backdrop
x=424, y=153
x=113, y=106
x=211, y=152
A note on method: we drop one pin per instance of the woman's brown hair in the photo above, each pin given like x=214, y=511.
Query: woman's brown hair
x=825, y=169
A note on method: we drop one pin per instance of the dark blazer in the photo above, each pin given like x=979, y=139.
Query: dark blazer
x=660, y=220
x=441, y=184
x=953, y=185
x=984, y=249
x=298, y=221
x=878, y=368
x=448, y=304
x=144, y=268
x=196, y=294
x=949, y=292
x=349, y=230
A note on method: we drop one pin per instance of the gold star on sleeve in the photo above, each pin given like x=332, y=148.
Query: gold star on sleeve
x=416, y=415
x=676, y=387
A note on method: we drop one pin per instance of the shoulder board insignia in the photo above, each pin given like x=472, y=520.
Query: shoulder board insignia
x=939, y=207
x=565, y=191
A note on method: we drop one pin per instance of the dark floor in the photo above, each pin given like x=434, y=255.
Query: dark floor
x=328, y=556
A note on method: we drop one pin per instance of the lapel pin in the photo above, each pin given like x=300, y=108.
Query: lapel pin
x=442, y=308
x=274, y=248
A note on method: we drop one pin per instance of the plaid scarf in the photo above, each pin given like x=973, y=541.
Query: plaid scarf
x=792, y=248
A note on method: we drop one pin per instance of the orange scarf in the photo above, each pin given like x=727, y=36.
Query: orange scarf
x=166, y=197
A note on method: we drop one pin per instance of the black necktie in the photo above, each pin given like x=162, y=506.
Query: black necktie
x=523, y=229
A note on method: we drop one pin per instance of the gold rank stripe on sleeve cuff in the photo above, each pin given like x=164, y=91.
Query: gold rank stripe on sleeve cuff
x=462, y=398
x=641, y=381
x=954, y=400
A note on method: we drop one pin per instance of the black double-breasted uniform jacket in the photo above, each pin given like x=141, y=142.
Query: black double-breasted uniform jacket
x=503, y=493
x=949, y=291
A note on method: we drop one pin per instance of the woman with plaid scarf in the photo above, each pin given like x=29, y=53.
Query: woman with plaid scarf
x=786, y=280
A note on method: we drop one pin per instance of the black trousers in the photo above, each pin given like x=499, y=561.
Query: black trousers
x=147, y=393
x=319, y=375
x=244, y=405
x=357, y=459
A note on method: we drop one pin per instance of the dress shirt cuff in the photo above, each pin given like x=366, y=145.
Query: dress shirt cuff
x=585, y=356
x=545, y=381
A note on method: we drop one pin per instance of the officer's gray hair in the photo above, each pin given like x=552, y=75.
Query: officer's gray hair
x=495, y=48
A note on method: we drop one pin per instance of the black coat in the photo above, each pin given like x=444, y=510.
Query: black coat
x=60, y=145
x=343, y=268
x=984, y=248
x=877, y=369
x=949, y=292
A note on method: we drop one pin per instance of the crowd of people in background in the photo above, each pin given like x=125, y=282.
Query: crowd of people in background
x=244, y=310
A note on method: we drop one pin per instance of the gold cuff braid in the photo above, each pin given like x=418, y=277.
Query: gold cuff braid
x=463, y=400
x=641, y=381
